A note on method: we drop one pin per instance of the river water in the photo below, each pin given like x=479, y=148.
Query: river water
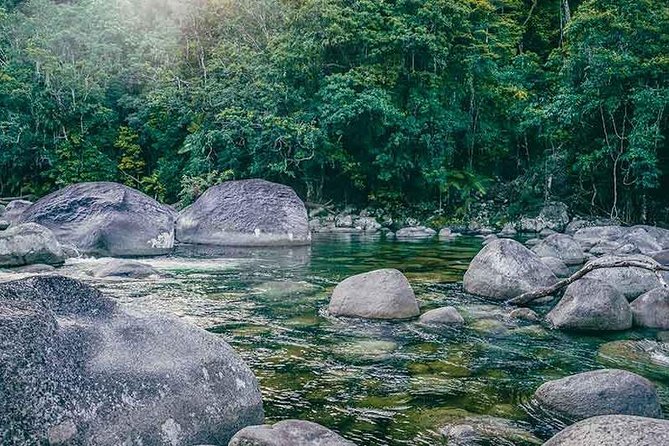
x=375, y=382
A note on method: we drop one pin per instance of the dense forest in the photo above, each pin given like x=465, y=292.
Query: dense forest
x=432, y=105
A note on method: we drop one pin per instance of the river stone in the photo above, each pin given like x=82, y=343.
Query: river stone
x=124, y=268
x=651, y=309
x=15, y=209
x=601, y=392
x=591, y=304
x=557, y=266
x=525, y=314
x=590, y=236
x=78, y=368
x=614, y=430
x=646, y=357
x=553, y=216
x=631, y=281
x=288, y=433
x=504, y=269
x=380, y=294
x=415, y=232
x=245, y=213
x=642, y=241
x=4, y=224
x=562, y=247
x=29, y=243
x=474, y=430
x=441, y=316
x=106, y=219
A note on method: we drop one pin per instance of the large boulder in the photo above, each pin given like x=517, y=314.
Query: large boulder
x=245, y=213
x=651, y=309
x=562, y=247
x=29, y=243
x=553, y=216
x=106, y=219
x=380, y=294
x=15, y=209
x=77, y=368
x=614, y=430
x=601, y=392
x=289, y=433
x=590, y=236
x=631, y=281
x=557, y=266
x=591, y=304
x=504, y=269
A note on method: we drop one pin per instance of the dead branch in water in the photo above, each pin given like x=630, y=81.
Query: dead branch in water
x=530, y=296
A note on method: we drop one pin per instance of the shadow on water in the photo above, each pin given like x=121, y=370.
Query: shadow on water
x=375, y=382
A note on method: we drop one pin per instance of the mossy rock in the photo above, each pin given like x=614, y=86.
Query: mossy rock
x=447, y=368
x=648, y=358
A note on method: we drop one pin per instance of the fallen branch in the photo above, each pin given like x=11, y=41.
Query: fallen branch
x=530, y=296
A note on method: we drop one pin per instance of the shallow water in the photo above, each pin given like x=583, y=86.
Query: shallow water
x=375, y=382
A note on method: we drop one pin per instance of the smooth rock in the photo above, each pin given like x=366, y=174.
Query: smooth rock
x=245, y=213
x=37, y=268
x=29, y=243
x=601, y=392
x=508, y=230
x=441, y=316
x=590, y=236
x=78, y=368
x=651, y=309
x=591, y=304
x=557, y=266
x=631, y=281
x=15, y=209
x=4, y=224
x=562, y=247
x=524, y=314
x=505, y=269
x=415, y=232
x=106, y=219
x=614, y=430
x=288, y=433
x=124, y=268
x=380, y=294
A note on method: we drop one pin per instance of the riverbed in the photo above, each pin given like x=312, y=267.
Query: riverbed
x=375, y=382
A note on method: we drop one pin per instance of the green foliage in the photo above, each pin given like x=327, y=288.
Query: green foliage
x=393, y=104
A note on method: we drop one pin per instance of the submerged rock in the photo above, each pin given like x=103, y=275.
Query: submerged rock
x=380, y=294
x=562, y=247
x=504, y=269
x=245, y=213
x=441, y=316
x=601, y=392
x=591, y=304
x=415, y=232
x=524, y=314
x=29, y=243
x=649, y=358
x=288, y=433
x=472, y=430
x=77, y=368
x=614, y=430
x=124, y=268
x=106, y=219
x=651, y=309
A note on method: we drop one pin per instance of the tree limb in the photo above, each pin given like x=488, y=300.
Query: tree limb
x=530, y=296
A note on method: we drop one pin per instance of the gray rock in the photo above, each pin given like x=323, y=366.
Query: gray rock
x=380, y=294
x=590, y=236
x=662, y=257
x=508, y=230
x=642, y=241
x=557, y=266
x=546, y=233
x=489, y=238
x=106, y=219
x=415, y=232
x=475, y=430
x=524, y=314
x=553, y=216
x=37, y=268
x=447, y=234
x=575, y=225
x=562, y=247
x=631, y=281
x=601, y=392
x=288, y=433
x=614, y=430
x=591, y=304
x=77, y=368
x=505, y=269
x=651, y=309
x=368, y=224
x=15, y=209
x=441, y=316
x=344, y=221
x=124, y=268
x=532, y=242
x=29, y=243
x=245, y=213
x=4, y=224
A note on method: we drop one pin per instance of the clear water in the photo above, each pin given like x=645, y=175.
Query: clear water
x=375, y=382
